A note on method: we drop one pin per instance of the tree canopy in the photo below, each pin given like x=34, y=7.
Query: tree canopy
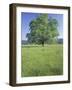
x=42, y=30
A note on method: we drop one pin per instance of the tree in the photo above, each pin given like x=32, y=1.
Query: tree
x=53, y=30
x=42, y=29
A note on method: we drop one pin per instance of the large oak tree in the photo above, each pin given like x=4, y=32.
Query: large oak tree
x=42, y=30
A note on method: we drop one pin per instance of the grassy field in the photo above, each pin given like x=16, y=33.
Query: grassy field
x=42, y=61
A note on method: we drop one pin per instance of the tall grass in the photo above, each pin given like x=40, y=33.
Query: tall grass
x=42, y=61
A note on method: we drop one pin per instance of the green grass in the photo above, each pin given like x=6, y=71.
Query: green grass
x=42, y=61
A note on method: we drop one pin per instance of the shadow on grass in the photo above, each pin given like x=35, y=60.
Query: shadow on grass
x=51, y=71
x=28, y=46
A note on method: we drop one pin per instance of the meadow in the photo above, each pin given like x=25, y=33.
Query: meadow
x=42, y=61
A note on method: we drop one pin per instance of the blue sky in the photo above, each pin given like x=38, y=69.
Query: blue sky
x=27, y=17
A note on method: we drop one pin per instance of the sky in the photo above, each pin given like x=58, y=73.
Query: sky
x=26, y=18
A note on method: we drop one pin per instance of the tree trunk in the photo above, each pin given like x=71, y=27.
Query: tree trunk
x=43, y=43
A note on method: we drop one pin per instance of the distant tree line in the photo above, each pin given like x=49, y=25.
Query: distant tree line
x=58, y=41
